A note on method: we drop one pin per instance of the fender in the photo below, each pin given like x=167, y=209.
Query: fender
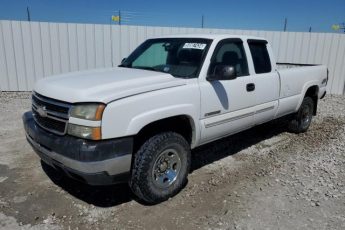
x=141, y=120
x=126, y=117
x=306, y=86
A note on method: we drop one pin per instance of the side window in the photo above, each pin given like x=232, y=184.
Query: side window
x=155, y=55
x=261, y=58
x=230, y=53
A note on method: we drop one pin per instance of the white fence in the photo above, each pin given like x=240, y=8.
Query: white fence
x=33, y=50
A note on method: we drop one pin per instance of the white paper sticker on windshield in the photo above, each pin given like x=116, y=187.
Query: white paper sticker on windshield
x=199, y=46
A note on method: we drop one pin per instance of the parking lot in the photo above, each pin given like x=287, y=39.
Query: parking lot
x=264, y=178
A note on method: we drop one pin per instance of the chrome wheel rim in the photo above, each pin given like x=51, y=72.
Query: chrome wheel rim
x=166, y=168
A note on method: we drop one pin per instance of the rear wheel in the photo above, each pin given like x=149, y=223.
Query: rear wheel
x=302, y=119
x=160, y=167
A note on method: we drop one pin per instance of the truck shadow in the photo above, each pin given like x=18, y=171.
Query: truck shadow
x=101, y=196
x=108, y=196
x=231, y=145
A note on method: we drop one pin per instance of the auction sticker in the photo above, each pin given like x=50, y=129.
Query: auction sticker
x=199, y=46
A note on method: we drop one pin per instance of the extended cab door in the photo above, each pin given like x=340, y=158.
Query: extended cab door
x=227, y=106
x=266, y=80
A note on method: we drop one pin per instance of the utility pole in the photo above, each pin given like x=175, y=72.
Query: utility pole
x=285, y=24
x=111, y=42
x=202, y=21
x=120, y=17
x=28, y=13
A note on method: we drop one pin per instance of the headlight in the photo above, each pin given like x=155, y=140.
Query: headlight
x=88, y=111
x=92, y=133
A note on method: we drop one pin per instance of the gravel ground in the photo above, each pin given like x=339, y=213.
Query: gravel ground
x=263, y=178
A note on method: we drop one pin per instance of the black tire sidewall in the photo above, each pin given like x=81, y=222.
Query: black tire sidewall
x=306, y=102
x=145, y=159
x=295, y=124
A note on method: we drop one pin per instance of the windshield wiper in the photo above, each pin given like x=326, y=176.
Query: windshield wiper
x=122, y=65
x=142, y=67
x=145, y=67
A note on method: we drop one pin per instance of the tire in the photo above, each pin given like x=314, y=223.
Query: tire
x=160, y=167
x=302, y=119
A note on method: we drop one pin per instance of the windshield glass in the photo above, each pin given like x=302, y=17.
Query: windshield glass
x=180, y=57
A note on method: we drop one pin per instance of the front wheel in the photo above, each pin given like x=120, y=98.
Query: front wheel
x=160, y=167
x=302, y=119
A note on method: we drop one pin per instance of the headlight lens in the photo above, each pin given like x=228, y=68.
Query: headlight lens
x=90, y=111
x=92, y=133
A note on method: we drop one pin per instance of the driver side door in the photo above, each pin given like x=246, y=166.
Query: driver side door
x=227, y=106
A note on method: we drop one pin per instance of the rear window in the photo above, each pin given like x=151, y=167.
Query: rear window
x=261, y=58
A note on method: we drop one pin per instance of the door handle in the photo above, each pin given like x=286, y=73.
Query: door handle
x=250, y=87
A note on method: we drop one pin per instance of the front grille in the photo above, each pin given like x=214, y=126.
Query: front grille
x=50, y=123
x=49, y=106
x=50, y=114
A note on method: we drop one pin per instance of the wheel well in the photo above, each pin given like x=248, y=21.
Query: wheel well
x=179, y=124
x=313, y=92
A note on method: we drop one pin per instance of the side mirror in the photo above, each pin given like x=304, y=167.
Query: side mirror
x=222, y=72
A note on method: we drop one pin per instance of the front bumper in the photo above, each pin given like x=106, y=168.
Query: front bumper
x=93, y=162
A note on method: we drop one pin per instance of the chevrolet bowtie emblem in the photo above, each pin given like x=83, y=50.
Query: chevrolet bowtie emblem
x=42, y=111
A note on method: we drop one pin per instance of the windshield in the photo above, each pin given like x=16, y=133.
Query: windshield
x=180, y=57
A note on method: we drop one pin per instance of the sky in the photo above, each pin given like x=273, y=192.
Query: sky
x=240, y=14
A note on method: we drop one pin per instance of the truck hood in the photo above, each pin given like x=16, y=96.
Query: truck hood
x=104, y=85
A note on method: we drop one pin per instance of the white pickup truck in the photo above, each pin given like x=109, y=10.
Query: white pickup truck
x=138, y=122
